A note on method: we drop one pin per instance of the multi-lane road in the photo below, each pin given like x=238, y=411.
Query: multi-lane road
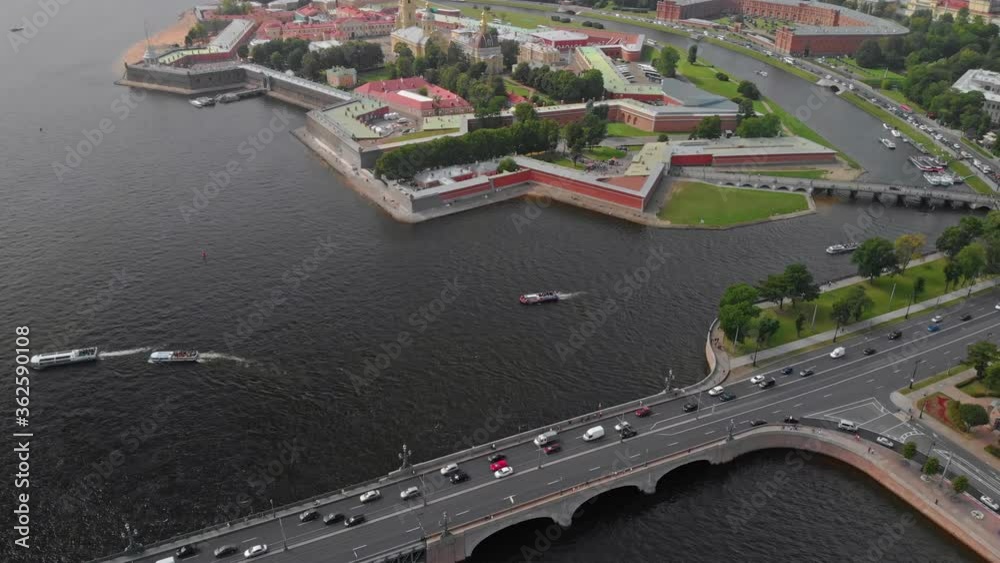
x=855, y=387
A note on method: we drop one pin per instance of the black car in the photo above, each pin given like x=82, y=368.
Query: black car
x=185, y=551
x=495, y=458
x=333, y=518
x=767, y=383
x=690, y=407
x=787, y=370
x=458, y=476
x=806, y=372
x=791, y=420
x=895, y=334
x=869, y=351
x=726, y=396
x=308, y=515
x=354, y=520
x=225, y=550
x=758, y=422
x=628, y=432
x=966, y=317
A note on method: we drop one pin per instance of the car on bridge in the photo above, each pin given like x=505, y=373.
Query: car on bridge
x=622, y=426
x=458, y=476
x=185, y=551
x=895, y=334
x=255, y=551
x=756, y=379
x=628, y=432
x=870, y=351
x=884, y=441
x=767, y=383
x=225, y=550
x=498, y=465
x=933, y=328
x=450, y=468
x=787, y=371
x=552, y=448
x=936, y=319
x=727, y=396
x=690, y=407
x=643, y=412
x=333, y=518
x=308, y=515
x=412, y=492
x=370, y=496
x=791, y=420
x=716, y=391
x=838, y=352
x=966, y=317
x=496, y=457
x=758, y=422
x=503, y=472
x=807, y=372
x=354, y=520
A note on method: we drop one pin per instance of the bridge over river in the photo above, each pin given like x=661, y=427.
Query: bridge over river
x=887, y=193
x=447, y=521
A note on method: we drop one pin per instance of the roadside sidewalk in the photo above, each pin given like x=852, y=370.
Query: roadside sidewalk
x=972, y=442
x=826, y=337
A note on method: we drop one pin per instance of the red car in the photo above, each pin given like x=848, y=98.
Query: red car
x=498, y=465
x=643, y=412
x=552, y=448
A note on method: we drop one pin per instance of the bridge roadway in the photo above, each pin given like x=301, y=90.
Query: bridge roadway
x=393, y=524
x=972, y=200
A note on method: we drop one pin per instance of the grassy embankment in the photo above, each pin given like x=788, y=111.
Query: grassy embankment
x=975, y=388
x=879, y=291
x=975, y=182
x=697, y=203
x=934, y=379
x=626, y=130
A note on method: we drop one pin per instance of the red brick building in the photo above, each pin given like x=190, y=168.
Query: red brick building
x=817, y=28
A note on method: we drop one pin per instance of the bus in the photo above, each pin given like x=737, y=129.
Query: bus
x=905, y=108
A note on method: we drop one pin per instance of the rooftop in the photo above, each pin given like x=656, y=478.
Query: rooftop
x=560, y=35
x=980, y=80
x=345, y=117
x=614, y=82
x=871, y=25
x=692, y=96
x=227, y=39
x=402, y=91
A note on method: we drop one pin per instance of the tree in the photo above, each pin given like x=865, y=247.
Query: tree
x=277, y=61
x=508, y=49
x=766, y=328
x=507, y=165
x=774, y=289
x=242, y=51
x=739, y=293
x=666, y=61
x=801, y=286
x=952, y=273
x=692, y=54
x=873, y=257
x=662, y=138
x=869, y=54
x=951, y=241
x=755, y=127
x=525, y=112
x=800, y=321
x=737, y=308
x=908, y=247
x=860, y=302
x=971, y=261
x=909, y=450
x=979, y=355
x=960, y=484
x=722, y=77
x=708, y=128
x=973, y=415
x=932, y=466
x=749, y=90
x=843, y=310
x=918, y=286
x=992, y=379
x=746, y=108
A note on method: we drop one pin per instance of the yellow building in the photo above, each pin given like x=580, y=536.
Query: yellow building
x=415, y=36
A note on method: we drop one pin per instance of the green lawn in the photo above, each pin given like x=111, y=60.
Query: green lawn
x=420, y=135
x=373, y=75
x=901, y=98
x=810, y=174
x=697, y=203
x=933, y=379
x=879, y=292
x=603, y=153
x=975, y=182
x=976, y=148
x=626, y=130
x=975, y=388
x=516, y=87
x=877, y=73
x=702, y=74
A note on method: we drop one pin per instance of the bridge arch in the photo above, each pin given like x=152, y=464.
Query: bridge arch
x=543, y=531
x=728, y=184
x=746, y=185
x=980, y=206
x=800, y=189
x=782, y=188
x=764, y=186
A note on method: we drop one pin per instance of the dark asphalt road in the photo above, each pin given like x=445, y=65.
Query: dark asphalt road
x=852, y=379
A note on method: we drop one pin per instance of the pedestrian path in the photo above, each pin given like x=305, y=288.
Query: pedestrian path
x=825, y=337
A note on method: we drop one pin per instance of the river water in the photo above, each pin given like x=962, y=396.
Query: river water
x=304, y=285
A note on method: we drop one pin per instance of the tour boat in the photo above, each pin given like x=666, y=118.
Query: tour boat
x=885, y=126
x=842, y=248
x=42, y=361
x=888, y=143
x=227, y=98
x=202, y=102
x=895, y=133
x=173, y=357
x=536, y=298
x=932, y=179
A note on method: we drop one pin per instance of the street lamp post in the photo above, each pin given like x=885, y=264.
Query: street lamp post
x=914, y=374
x=944, y=475
x=284, y=538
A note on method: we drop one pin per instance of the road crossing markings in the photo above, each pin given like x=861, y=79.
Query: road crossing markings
x=710, y=432
x=462, y=512
x=672, y=444
x=360, y=547
x=554, y=482
x=595, y=468
x=412, y=529
x=633, y=456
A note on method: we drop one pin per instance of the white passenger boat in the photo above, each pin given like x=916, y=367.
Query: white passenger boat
x=42, y=361
x=202, y=102
x=932, y=179
x=170, y=357
x=896, y=133
x=889, y=144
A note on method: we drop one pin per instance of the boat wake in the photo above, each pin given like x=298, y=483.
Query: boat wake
x=563, y=296
x=129, y=352
x=218, y=356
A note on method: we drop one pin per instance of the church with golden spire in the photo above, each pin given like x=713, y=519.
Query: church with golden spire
x=485, y=47
x=415, y=35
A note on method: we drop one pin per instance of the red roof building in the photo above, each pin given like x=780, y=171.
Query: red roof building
x=402, y=95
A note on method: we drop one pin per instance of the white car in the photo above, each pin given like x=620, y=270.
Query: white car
x=989, y=502
x=255, y=551
x=884, y=441
x=409, y=493
x=622, y=425
x=838, y=352
x=997, y=307
x=715, y=391
x=756, y=379
x=936, y=319
x=503, y=472
x=450, y=468
x=371, y=495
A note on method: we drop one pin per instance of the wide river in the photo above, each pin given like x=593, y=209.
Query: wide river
x=303, y=284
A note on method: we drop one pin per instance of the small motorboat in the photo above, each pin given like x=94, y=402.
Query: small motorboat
x=842, y=248
x=536, y=298
x=888, y=144
x=176, y=356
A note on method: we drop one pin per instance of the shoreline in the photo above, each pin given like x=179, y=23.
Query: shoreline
x=174, y=33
